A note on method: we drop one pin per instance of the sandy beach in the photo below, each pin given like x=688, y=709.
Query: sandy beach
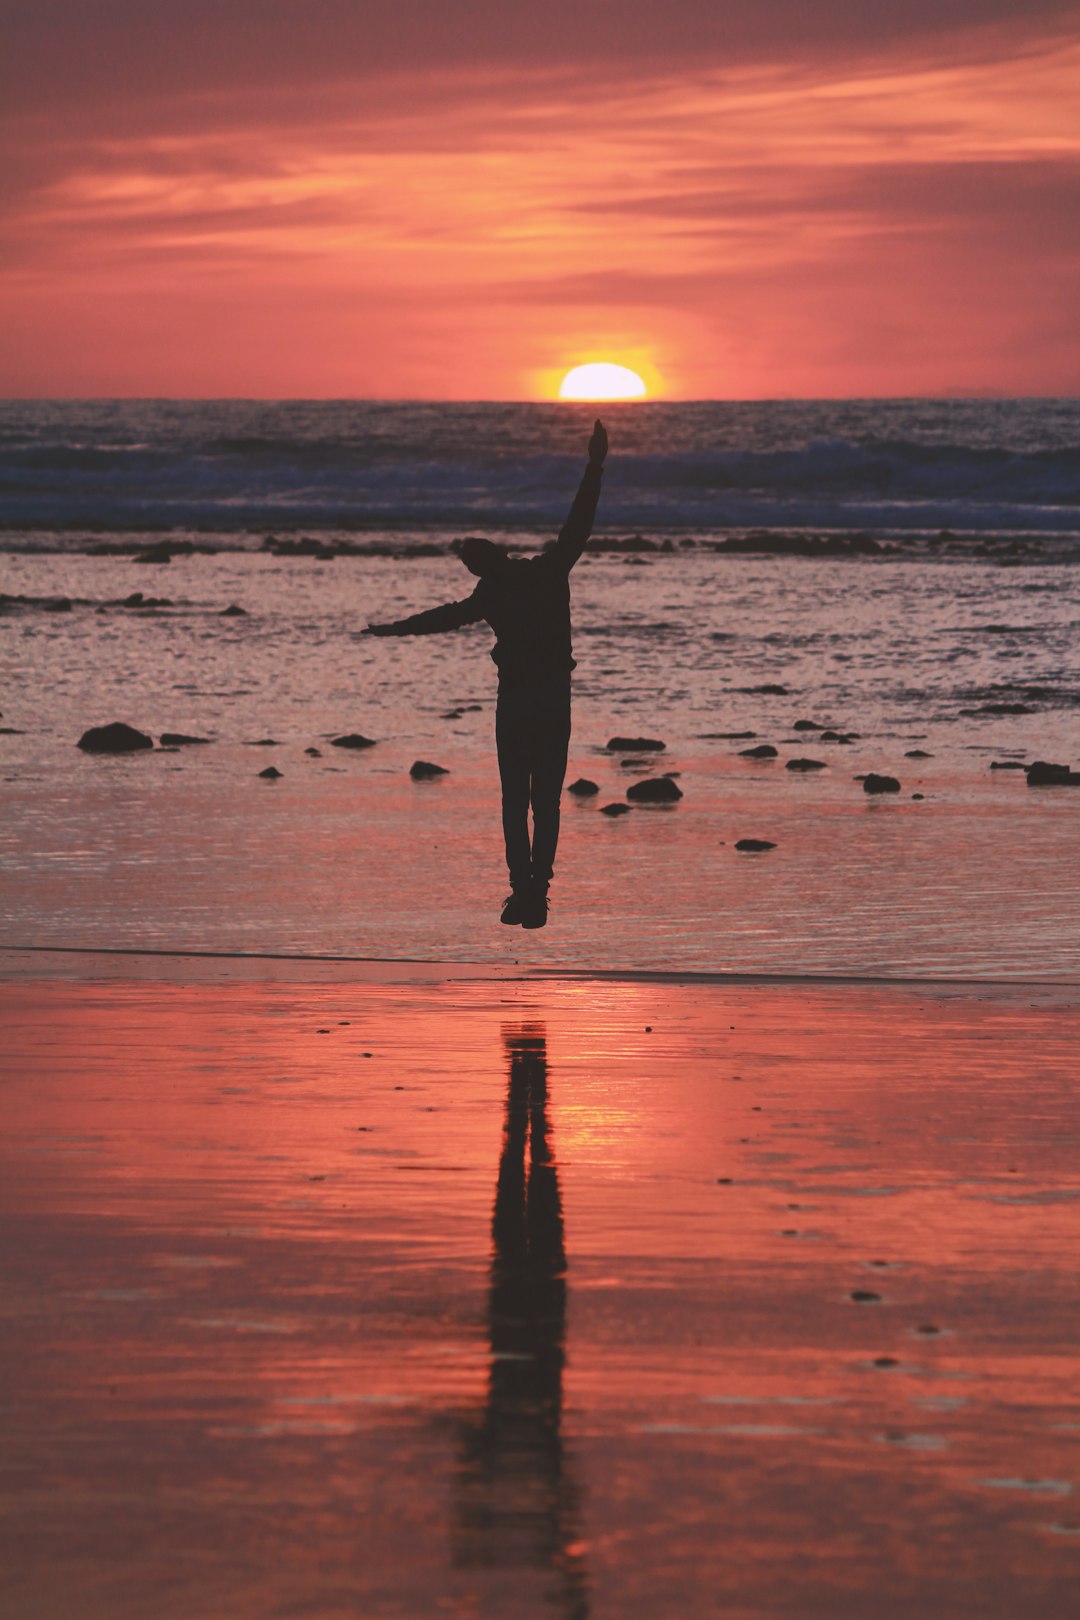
x=339, y=1289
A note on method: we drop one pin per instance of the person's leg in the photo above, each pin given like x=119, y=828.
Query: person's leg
x=512, y=741
x=550, y=744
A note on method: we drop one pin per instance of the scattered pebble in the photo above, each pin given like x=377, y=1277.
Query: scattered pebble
x=352, y=739
x=271, y=773
x=614, y=809
x=864, y=1296
x=806, y=765
x=873, y=783
x=583, y=788
x=422, y=770
x=754, y=846
x=760, y=751
x=654, y=790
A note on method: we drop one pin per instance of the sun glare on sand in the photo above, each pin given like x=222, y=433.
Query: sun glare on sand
x=601, y=380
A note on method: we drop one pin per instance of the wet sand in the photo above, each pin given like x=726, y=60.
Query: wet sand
x=341, y=1290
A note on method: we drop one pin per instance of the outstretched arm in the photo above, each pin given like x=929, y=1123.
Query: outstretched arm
x=576, y=530
x=451, y=616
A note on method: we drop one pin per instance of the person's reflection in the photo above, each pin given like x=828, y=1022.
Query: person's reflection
x=517, y=1503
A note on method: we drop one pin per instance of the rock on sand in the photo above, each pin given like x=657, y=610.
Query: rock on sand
x=654, y=790
x=880, y=784
x=116, y=738
x=422, y=770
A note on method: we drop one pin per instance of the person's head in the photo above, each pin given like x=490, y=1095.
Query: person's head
x=482, y=557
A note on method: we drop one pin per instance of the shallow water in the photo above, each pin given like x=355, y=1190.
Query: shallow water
x=784, y=1326
x=345, y=854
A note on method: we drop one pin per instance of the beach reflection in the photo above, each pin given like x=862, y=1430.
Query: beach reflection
x=518, y=1503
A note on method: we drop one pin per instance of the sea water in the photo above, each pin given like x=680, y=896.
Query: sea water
x=904, y=573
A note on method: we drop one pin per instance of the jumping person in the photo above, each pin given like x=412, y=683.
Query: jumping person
x=526, y=601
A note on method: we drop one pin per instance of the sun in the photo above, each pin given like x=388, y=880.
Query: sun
x=602, y=380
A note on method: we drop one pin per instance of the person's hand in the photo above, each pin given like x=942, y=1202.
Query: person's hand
x=598, y=443
x=379, y=630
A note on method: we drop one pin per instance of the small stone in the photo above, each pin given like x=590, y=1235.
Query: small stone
x=928, y=1327
x=808, y=725
x=263, y=742
x=770, y=689
x=313, y=753
x=1008, y=765
x=635, y=745
x=880, y=784
x=917, y=753
x=233, y=611
x=180, y=739
x=583, y=788
x=352, y=739
x=654, y=790
x=864, y=1296
x=614, y=809
x=116, y=738
x=724, y=1181
x=422, y=770
x=760, y=751
x=754, y=846
x=886, y=1361
x=806, y=765
x=270, y=774
x=918, y=795
x=1044, y=774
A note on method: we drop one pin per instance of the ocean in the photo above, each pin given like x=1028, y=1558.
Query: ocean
x=903, y=574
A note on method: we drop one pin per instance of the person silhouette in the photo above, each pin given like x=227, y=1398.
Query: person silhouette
x=526, y=601
x=517, y=1502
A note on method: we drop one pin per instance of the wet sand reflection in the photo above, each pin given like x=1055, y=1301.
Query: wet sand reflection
x=518, y=1503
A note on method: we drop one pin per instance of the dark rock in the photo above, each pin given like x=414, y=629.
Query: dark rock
x=754, y=846
x=918, y=795
x=654, y=790
x=352, y=739
x=180, y=739
x=138, y=600
x=161, y=553
x=583, y=788
x=770, y=689
x=806, y=765
x=873, y=783
x=917, y=753
x=635, y=745
x=114, y=739
x=807, y=725
x=1044, y=774
x=11, y=731
x=768, y=543
x=614, y=809
x=263, y=742
x=452, y=714
x=270, y=774
x=864, y=1296
x=57, y=604
x=985, y=709
x=421, y=770
x=838, y=736
x=315, y=753
x=762, y=751
x=233, y=611
x=1008, y=765
x=726, y=736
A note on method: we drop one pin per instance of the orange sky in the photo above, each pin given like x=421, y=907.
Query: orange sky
x=333, y=200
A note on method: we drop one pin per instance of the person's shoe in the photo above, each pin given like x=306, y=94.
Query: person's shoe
x=516, y=907
x=536, y=910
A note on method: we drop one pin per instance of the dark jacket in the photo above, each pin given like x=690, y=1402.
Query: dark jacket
x=526, y=603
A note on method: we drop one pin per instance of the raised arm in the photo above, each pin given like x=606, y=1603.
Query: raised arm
x=576, y=530
x=451, y=616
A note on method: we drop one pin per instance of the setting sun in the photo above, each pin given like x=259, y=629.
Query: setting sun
x=601, y=380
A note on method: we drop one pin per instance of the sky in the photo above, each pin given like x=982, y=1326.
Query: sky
x=461, y=199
